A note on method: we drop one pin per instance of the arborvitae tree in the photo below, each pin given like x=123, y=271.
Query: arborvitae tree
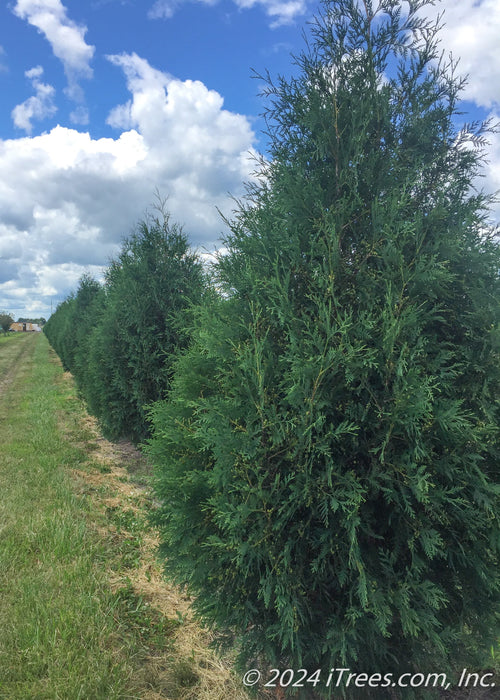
x=57, y=324
x=89, y=300
x=328, y=458
x=69, y=327
x=88, y=312
x=149, y=289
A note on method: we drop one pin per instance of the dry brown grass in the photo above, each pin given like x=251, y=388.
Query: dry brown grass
x=190, y=669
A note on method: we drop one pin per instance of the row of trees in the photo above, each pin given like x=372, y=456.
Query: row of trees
x=41, y=321
x=326, y=437
x=119, y=339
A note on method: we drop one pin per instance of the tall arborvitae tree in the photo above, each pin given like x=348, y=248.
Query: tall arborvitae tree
x=87, y=311
x=69, y=327
x=59, y=326
x=149, y=289
x=327, y=463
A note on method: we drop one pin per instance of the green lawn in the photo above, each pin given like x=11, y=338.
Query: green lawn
x=57, y=614
x=11, y=345
x=84, y=610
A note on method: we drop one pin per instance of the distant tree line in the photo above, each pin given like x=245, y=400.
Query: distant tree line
x=39, y=321
x=323, y=415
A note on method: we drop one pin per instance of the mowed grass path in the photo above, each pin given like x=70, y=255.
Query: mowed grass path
x=58, y=616
x=57, y=622
x=85, y=613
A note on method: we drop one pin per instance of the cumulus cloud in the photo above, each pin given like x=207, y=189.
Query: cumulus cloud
x=67, y=200
x=279, y=11
x=38, y=106
x=190, y=139
x=471, y=32
x=66, y=38
x=490, y=181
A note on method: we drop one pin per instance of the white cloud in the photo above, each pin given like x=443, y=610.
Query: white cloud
x=471, y=32
x=67, y=199
x=190, y=138
x=3, y=66
x=491, y=180
x=34, y=73
x=66, y=38
x=163, y=9
x=280, y=11
x=80, y=115
x=38, y=106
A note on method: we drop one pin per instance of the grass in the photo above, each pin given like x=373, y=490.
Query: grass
x=84, y=610
x=11, y=345
x=56, y=613
x=7, y=337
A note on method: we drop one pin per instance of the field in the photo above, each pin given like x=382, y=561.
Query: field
x=85, y=612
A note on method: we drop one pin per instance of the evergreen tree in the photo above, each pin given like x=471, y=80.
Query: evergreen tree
x=328, y=458
x=69, y=326
x=59, y=326
x=89, y=300
x=149, y=289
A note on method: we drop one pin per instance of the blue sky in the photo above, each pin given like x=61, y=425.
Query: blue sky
x=105, y=101
x=217, y=44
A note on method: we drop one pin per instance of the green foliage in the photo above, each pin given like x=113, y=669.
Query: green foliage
x=6, y=321
x=69, y=327
x=119, y=339
x=149, y=289
x=58, y=325
x=328, y=458
x=40, y=321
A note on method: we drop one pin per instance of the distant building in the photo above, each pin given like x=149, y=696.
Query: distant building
x=25, y=326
